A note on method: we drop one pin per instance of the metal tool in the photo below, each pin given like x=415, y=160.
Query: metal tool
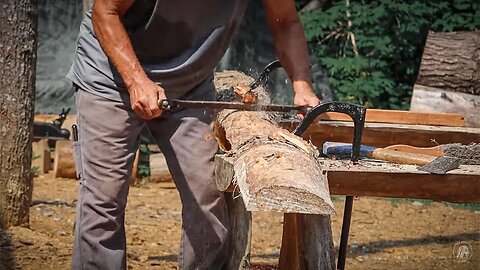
x=441, y=165
x=357, y=113
x=431, y=164
x=168, y=104
x=54, y=130
x=262, y=78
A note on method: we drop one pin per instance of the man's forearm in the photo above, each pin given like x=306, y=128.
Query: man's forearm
x=113, y=38
x=290, y=42
x=292, y=52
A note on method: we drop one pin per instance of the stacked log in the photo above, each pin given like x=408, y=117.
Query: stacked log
x=449, y=76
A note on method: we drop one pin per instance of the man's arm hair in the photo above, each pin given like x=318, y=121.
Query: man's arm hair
x=289, y=37
x=107, y=23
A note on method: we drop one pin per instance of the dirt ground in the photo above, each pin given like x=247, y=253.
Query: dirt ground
x=385, y=234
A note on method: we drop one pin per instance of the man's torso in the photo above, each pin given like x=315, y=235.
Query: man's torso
x=177, y=42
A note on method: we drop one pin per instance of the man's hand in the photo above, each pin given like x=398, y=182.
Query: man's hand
x=144, y=96
x=107, y=18
x=304, y=96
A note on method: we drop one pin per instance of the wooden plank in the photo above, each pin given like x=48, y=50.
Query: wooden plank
x=382, y=135
x=403, y=117
x=380, y=179
x=41, y=158
x=429, y=99
x=63, y=161
x=274, y=169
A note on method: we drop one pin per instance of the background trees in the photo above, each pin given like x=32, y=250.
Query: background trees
x=18, y=32
x=371, y=49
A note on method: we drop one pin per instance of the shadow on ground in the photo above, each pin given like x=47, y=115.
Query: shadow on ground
x=6, y=250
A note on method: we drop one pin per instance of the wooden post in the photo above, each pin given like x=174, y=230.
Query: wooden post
x=41, y=158
x=63, y=161
x=274, y=170
x=306, y=243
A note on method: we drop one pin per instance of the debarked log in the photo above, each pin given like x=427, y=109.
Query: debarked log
x=274, y=170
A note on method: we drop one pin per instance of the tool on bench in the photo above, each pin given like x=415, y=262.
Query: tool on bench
x=54, y=130
x=431, y=164
x=467, y=153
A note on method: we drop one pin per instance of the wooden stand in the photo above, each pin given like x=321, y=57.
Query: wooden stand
x=41, y=158
x=307, y=241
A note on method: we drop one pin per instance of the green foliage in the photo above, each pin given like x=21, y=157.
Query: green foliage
x=143, y=169
x=35, y=169
x=372, y=55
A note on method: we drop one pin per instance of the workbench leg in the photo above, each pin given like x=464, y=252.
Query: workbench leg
x=240, y=233
x=307, y=243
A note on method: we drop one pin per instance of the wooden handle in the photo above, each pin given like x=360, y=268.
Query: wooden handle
x=401, y=157
x=436, y=151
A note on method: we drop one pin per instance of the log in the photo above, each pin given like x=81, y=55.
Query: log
x=429, y=99
x=63, y=162
x=303, y=239
x=451, y=61
x=273, y=169
x=41, y=159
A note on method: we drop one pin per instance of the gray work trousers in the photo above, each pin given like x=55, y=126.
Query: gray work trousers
x=107, y=141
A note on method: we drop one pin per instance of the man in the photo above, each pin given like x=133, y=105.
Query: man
x=130, y=54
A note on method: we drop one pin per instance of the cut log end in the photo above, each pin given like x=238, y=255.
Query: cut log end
x=290, y=200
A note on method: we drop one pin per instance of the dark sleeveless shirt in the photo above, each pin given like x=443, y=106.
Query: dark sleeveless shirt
x=178, y=43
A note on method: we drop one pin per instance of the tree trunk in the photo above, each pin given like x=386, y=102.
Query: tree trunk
x=451, y=61
x=18, y=44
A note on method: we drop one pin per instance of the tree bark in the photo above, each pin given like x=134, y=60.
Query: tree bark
x=451, y=61
x=18, y=44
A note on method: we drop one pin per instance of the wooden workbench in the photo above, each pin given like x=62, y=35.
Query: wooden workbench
x=367, y=178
